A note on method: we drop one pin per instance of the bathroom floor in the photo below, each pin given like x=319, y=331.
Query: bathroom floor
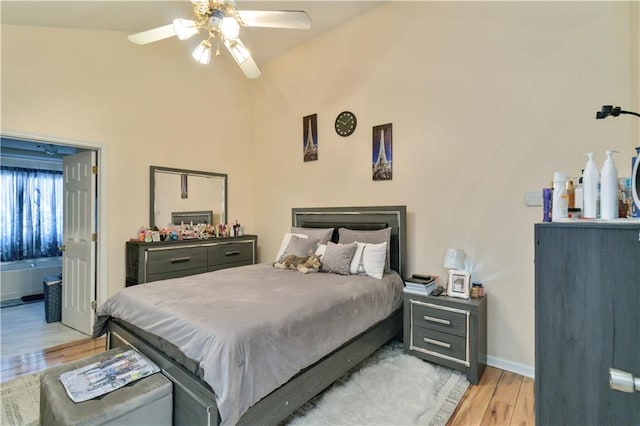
x=23, y=329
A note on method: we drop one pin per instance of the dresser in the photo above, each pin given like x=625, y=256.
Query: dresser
x=147, y=262
x=587, y=320
x=448, y=331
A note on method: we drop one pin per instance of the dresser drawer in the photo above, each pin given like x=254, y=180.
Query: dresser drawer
x=175, y=274
x=441, y=343
x=178, y=259
x=219, y=266
x=438, y=319
x=235, y=252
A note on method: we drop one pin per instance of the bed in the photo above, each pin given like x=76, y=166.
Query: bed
x=248, y=384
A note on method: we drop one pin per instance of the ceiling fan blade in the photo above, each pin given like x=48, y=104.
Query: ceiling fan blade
x=292, y=19
x=154, y=34
x=242, y=56
x=250, y=68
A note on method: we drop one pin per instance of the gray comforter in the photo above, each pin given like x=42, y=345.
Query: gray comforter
x=251, y=329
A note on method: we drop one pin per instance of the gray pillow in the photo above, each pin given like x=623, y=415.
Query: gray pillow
x=337, y=258
x=322, y=234
x=300, y=247
x=374, y=237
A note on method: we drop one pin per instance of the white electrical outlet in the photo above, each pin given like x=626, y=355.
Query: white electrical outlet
x=533, y=199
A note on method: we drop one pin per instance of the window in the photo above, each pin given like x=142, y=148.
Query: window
x=31, y=213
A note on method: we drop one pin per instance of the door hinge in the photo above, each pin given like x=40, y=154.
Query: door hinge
x=94, y=170
x=94, y=305
x=94, y=237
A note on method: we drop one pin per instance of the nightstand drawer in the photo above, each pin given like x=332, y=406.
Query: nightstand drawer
x=178, y=259
x=438, y=319
x=441, y=343
x=230, y=253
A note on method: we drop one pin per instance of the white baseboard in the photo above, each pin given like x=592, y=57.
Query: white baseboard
x=514, y=367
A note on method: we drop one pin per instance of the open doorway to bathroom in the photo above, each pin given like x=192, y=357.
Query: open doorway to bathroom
x=31, y=223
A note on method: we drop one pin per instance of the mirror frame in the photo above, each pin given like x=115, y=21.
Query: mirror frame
x=152, y=187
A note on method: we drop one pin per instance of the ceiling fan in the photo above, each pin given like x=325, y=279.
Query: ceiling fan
x=221, y=21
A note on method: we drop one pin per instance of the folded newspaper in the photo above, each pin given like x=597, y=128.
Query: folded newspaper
x=106, y=376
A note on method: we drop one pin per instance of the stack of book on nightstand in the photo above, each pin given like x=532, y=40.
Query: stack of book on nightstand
x=421, y=284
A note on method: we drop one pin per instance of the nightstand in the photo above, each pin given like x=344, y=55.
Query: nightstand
x=448, y=331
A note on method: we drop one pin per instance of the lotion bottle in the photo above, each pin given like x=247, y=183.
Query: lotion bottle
x=590, y=188
x=560, y=208
x=579, y=195
x=609, y=188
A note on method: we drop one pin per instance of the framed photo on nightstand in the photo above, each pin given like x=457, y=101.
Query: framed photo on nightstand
x=459, y=284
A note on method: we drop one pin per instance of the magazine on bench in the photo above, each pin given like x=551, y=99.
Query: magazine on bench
x=106, y=376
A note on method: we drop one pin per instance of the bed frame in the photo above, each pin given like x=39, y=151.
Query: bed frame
x=194, y=401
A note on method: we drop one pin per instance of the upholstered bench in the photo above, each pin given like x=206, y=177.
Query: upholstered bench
x=148, y=401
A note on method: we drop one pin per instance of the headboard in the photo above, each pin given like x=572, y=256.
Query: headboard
x=361, y=218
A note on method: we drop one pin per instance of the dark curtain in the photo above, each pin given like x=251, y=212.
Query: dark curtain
x=31, y=218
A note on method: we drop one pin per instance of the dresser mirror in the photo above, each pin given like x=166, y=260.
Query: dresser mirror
x=184, y=194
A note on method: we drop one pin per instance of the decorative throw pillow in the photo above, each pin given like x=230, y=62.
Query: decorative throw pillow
x=373, y=237
x=301, y=247
x=337, y=258
x=322, y=234
x=285, y=243
x=369, y=259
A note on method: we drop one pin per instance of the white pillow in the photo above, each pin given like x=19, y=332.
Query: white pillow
x=285, y=242
x=369, y=259
x=320, y=250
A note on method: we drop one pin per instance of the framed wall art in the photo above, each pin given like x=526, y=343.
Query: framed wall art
x=382, y=152
x=310, y=137
x=459, y=284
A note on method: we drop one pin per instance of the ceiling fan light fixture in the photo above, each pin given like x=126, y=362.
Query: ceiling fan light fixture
x=185, y=28
x=202, y=53
x=230, y=27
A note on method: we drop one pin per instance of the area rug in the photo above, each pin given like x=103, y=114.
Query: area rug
x=388, y=388
x=20, y=400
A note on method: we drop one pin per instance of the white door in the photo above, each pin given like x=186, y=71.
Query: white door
x=78, y=257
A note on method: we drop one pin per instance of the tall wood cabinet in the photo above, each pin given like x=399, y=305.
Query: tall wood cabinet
x=587, y=316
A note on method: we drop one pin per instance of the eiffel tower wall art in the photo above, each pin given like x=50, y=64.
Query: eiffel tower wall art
x=382, y=152
x=310, y=137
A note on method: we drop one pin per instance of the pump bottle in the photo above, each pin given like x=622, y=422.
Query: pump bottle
x=590, y=181
x=609, y=188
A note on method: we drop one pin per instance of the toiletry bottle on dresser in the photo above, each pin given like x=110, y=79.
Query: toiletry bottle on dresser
x=571, y=194
x=547, y=195
x=560, y=206
x=590, y=182
x=635, y=178
x=609, y=188
x=579, y=195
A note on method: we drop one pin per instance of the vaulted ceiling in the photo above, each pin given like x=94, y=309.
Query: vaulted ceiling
x=136, y=16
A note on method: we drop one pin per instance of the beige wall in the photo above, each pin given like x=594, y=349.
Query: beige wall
x=487, y=100
x=150, y=105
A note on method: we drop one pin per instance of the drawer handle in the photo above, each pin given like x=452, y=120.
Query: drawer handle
x=232, y=253
x=438, y=320
x=438, y=343
x=180, y=259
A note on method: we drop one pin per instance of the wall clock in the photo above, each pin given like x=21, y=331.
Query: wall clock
x=346, y=123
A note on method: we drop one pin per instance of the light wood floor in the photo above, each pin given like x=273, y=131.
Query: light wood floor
x=23, y=329
x=501, y=397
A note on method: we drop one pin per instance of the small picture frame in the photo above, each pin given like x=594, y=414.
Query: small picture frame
x=459, y=284
x=155, y=236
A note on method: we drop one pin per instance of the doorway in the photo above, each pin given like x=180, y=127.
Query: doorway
x=26, y=150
